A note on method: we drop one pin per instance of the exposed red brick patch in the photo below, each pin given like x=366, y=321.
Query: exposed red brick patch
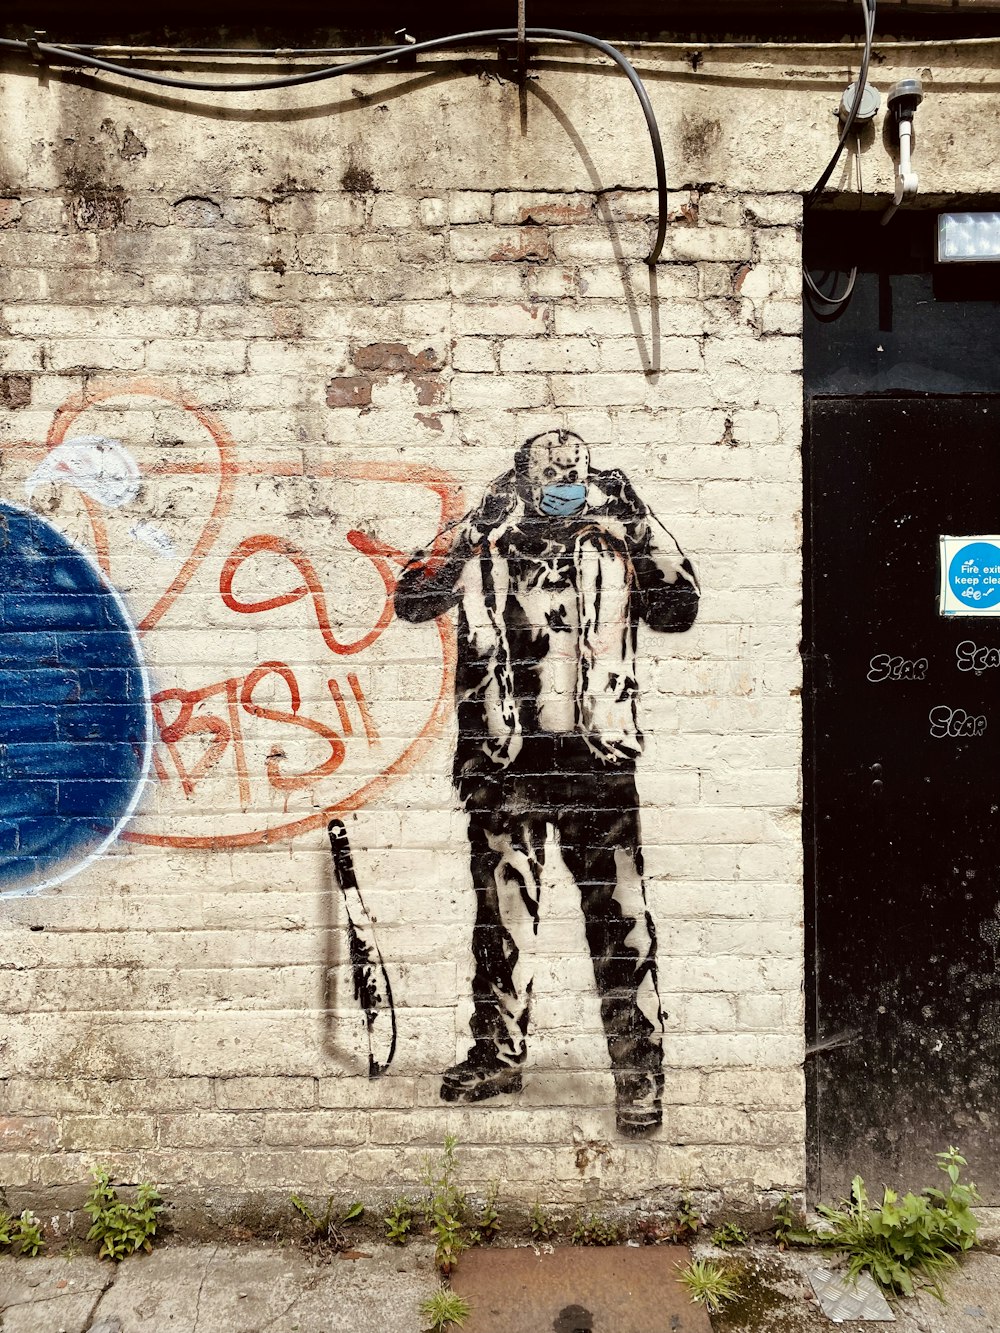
x=20, y=1132
x=555, y=215
x=684, y=209
x=431, y=389
x=430, y=419
x=528, y=246
x=740, y=276
x=15, y=390
x=395, y=359
x=349, y=391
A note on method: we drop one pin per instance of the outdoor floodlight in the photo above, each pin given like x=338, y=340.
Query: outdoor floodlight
x=968, y=238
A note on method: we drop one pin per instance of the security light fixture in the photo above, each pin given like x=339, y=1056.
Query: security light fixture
x=968, y=238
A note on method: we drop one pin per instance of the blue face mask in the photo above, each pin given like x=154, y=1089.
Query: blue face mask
x=563, y=501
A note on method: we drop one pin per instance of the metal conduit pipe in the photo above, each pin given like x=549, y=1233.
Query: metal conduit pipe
x=64, y=55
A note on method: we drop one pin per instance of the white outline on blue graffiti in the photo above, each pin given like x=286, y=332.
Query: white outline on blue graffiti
x=96, y=852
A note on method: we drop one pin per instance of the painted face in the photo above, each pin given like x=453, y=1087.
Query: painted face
x=557, y=474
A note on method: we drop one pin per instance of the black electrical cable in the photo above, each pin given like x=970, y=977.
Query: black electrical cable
x=66, y=56
x=264, y=52
x=868, y=7
x=852, y=277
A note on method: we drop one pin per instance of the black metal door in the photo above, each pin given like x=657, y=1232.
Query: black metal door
x=902, y=818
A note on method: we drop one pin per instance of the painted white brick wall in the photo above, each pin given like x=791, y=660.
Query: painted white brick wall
x=290, y=360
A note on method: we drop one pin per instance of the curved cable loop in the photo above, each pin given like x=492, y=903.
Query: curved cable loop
x=836, y=302
x=66, y=56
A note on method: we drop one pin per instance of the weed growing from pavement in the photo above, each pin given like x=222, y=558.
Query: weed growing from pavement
x=710, y=1284
x=446, y=1208
x=398, y=1221
x=328, y=1231
x=918, y=1236
x=594, y=1229
x=487, y=1226
x=675, y=1228
x=689, y=1220
x=444, y=1309
x=121, y=1228
x=729, y=1234
x=447, y=1215
x=541, y=1225
x=789, y=1227
x=451, y=1238
x=21, y=1234
x=902, y=1242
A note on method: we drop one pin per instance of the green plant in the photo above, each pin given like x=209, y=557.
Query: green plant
x=730, y=1233
x=23, y=1234
x=689, y=1220
x=900, y=1240
x=487, y=1226
x=328, y=1230
x=446, y=1208
x=439, y=1181
x=789, y=1228
x=710, y=1284
x=445, y=1307
x=399, y=1221
x=121, y=1228
x=596, y=1230
x=679, y=1226
x=543, y=1228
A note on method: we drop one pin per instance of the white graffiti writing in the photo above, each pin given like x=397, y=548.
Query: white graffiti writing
x=947, y=721
x=884, y=667
x=970, y=657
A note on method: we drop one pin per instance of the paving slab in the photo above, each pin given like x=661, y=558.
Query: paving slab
x=221, y=1289
x=971, y=1304
x=37, y=1294
x=578, y=1290
x=777, y=1297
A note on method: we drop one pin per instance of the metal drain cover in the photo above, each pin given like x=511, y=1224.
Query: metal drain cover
x=573, y=1289
x=841, y=1298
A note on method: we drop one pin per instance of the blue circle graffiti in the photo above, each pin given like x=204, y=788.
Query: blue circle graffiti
x=974, y=575
x=74, y=707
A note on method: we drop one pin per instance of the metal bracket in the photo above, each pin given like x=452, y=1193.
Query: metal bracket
x=31, y=43
x=403, y=38
x=514, y=58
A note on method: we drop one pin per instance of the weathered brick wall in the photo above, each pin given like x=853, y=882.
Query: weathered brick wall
x=316, y=354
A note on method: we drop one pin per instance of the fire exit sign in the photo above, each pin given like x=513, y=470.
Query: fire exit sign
x=970, y=576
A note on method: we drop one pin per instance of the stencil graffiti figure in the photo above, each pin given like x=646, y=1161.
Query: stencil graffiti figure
x=372, y=988
x=551, y=575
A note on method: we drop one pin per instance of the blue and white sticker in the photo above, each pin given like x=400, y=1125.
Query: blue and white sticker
x=970, y=576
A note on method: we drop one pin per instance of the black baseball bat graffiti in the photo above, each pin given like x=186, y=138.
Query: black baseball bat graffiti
x=371, y=981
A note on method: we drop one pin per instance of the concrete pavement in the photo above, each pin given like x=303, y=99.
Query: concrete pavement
x=219, y=1289
x=282, y=1288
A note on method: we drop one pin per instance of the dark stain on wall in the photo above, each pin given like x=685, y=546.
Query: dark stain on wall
x=699, y=136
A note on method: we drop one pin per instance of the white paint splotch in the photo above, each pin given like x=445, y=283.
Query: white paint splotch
x=153, y=537
x=101, y=468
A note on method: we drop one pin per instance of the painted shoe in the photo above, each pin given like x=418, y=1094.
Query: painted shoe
x=480, y=1075
x=637, y=1100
